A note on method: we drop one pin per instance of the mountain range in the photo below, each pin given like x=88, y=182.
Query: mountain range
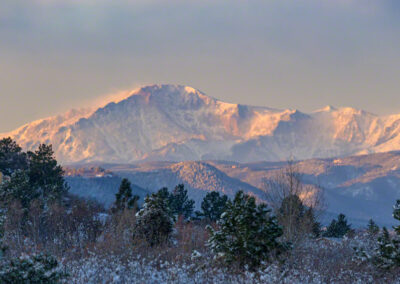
x=362, y=187
x=179, y=123
x=163, y=135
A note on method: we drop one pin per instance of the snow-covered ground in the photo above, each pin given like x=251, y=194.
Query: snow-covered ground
x=323, y=261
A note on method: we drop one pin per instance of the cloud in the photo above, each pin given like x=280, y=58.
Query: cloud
x=114, y=97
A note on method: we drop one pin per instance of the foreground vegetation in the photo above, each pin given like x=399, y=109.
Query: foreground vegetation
x=50, y=236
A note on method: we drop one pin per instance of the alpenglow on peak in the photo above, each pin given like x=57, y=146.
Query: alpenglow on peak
x=177, y=123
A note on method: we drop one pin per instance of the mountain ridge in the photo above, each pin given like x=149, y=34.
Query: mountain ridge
x=362, y=187
x=177, y=123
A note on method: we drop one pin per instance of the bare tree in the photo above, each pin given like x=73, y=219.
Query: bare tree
x=296, y=204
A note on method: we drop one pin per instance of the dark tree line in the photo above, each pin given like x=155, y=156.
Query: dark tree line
x=31, y=175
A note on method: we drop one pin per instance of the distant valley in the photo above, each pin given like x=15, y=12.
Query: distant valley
x=362, y=187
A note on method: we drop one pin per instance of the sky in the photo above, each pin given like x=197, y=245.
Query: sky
x=299, y=54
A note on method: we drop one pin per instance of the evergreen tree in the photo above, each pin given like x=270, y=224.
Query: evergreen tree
x=153, y=222
x=396, y=215
x=41, y=178
x=388, y=252
x=36, y=269
x=179, y=202
x=11, y=157
x=213, y=205
x=338, y=228
x=124, y=198
x=247, y=232
x=19, y=187
x=311, y=224
x=45, y=173
x=163, y=193
x=372, y=228
x=2, y=220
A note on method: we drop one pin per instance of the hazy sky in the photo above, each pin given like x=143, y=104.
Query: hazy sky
x=59, y=54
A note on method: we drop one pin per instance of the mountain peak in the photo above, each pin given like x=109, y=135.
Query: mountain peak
x=177, y=122
x=165, y=89
x=169, y=93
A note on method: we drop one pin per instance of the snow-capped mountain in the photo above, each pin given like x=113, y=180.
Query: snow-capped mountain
x=177, y=123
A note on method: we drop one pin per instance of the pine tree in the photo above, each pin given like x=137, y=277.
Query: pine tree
x=36, y=269
x=311, y=224
x=45, y=173
x=388, y=252
x=124, y=198
x=372, y=228
x=386, y=255
x=153, y=222
x=42, y=178
x=338, y=228
x=396, y=215
x=164, y=194
x=19, y=187
x=247, y=233
x=179, y=202
x=213, y=205
x=2, y=231
x=11, y=157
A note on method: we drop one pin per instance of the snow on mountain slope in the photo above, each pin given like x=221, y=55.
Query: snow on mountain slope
x=177, y=123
